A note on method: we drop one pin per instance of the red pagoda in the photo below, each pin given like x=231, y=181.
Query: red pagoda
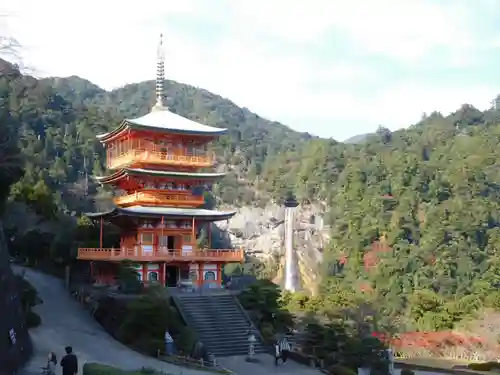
x=155, y=161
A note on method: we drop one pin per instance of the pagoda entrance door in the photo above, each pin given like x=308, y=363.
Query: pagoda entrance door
x=172, y=277
x=167, y=243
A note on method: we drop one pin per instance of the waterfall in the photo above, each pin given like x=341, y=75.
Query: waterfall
x=290, y=263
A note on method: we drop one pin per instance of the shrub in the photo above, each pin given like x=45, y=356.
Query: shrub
x=485, y=366
x=149, y=346
x=340, y=370
x=98, y=369
x=33, y=319
x=407, y=371
x=185, y=339
x=268, y=332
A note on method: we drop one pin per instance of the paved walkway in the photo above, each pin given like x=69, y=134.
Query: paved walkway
x=265, y=366
x=64, y=323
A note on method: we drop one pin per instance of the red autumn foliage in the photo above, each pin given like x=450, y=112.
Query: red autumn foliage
x=365, y=287
x=370, y=259
x=343, y=259
x=443, y=343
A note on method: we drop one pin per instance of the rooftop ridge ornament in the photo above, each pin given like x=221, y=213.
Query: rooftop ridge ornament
x=160, y=78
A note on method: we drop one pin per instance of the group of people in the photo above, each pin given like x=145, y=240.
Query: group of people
x=69, y=363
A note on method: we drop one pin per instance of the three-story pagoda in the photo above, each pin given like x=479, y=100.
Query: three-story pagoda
x=154, y=162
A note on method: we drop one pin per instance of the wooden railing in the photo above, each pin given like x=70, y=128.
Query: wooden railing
x=156, y=157
x=152, y=197
x=159, y=254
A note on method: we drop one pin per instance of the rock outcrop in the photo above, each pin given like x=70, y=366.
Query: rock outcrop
x=260, y=232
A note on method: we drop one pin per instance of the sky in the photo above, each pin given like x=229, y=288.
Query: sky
x=333, y=68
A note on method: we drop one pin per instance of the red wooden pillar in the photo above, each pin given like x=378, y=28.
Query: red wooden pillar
x=200, y=274
x=163, y=273
x=193, y=234
x=145, y=273
x=100, y=235
x=219, y=274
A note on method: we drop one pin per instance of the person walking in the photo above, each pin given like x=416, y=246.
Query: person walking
x=284, y=349
x=69, y=363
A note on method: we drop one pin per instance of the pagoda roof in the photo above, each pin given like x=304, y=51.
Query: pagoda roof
x=163, y=120
x=170, y=212
x=156, y=173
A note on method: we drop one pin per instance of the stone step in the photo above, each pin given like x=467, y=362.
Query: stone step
x=220, y=312
x=219, y=322
x=222, y=319
x=221, y=343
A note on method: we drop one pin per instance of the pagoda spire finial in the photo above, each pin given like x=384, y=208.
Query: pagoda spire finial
x=160, y=77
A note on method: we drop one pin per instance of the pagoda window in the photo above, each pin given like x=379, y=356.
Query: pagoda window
x=147, y=238
x=186, y=224
x=149, y=184
x=181, y=187
x=169, y=186
x=146, y=224
x=171, y=224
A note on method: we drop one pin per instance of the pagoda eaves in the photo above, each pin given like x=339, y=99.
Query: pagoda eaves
x=168, y=212
x=125, y=172
x=162, y=121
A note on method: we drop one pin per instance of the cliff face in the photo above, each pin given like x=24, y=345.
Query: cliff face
x=260, y=231
x=15, y=342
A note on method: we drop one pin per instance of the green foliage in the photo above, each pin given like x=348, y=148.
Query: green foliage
x=485, y=366
x=263, y=301
x=340, y=370
x=146, y=319
x=98, y=369
x=33, y=319
x=407, y=371
x=29, y=298
x=128, y=279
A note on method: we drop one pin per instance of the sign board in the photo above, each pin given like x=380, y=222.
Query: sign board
x=12, y=336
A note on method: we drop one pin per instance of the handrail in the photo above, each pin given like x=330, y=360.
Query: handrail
x=159, y=157
x=158, y=198
x=159, y=253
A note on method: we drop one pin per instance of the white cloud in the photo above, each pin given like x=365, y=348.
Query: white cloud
x=113, y=43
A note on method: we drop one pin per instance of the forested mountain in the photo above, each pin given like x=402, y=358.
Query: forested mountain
x=414, y=213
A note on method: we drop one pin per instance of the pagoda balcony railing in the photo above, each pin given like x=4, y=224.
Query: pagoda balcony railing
x=160, y=198
x=136, y=156
x=160, y=254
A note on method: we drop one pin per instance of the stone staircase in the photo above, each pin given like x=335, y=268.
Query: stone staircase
x=220, y=322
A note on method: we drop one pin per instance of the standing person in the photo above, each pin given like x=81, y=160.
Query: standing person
x=285, y=348
x=51, y=364
x=277, y=353
x=69, y=363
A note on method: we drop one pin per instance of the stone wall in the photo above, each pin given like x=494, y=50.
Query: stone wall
x=15, y=341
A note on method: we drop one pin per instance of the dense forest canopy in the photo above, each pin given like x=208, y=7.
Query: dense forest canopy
x=414, y=213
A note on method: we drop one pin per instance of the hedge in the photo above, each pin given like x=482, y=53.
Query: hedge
x=98, y=369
